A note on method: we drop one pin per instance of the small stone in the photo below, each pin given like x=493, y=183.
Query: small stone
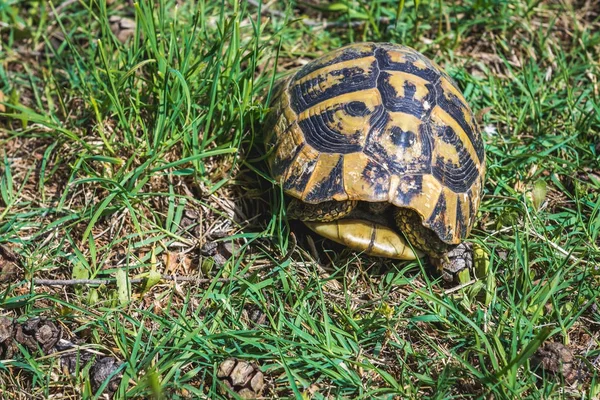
x=247, y=394
x=557, y=359
x=241, y=377
x=8, y=347
x=123, y=28
x=23, y=336
x=72, y=363
x=257, y=317
x=225, y=368
x=7, y=328
x=241, y=374
x=257, y=383
x=101, y=371
x=10, y=264
x=209, y=249
x=47, y=336
x=228, y=248
x=190, y=222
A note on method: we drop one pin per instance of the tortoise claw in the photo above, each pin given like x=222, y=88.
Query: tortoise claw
x=455, y=265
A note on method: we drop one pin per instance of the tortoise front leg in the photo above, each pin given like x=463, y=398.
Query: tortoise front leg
x=449, y=260
x=410, y=223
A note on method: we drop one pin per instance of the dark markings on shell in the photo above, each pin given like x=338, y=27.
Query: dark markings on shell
x=356, y=109
x=307, y=94
x=378, y=178
x=300, y=179
x=372, y=241
x=407, y=103
x=280, y=165
x=456, y=109
x=437, y=220
x=402, y=138
x=346, y=55
x=423, y=163
x=461, y=220
x=385, y=63
x=471, y=197
x=391, y=156
x=378, y=120
x=320, y=136
x=373, y=146
x=272, y=135
x=457, y=177
x=332, y=185
x=414, y=183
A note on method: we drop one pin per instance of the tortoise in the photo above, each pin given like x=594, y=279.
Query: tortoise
x=378, y=150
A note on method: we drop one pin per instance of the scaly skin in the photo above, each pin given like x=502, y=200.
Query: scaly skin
x=409, y=223
x=322, y=212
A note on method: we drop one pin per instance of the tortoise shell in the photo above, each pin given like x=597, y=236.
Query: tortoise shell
x=379, y=122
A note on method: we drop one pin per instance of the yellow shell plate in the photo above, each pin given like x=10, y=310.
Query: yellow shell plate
x=370, y=238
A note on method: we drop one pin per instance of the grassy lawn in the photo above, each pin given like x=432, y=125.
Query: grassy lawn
x=131, y=156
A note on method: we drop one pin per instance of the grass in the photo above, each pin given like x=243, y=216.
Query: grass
x=124, y=160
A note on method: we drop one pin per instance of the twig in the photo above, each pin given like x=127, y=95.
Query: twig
x=108, y=281
x=291, y=249
x=314, y=23
x=63, y=6
x=266, y=9
x=459, y=287
x=558, y=248
x=64, y=347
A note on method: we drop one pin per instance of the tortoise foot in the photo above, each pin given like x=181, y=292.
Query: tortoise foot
x=457, y=264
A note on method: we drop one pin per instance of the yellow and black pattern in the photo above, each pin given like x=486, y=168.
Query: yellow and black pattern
x=379, y=122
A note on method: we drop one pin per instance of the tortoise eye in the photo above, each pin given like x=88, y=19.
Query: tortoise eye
x=356, y=109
